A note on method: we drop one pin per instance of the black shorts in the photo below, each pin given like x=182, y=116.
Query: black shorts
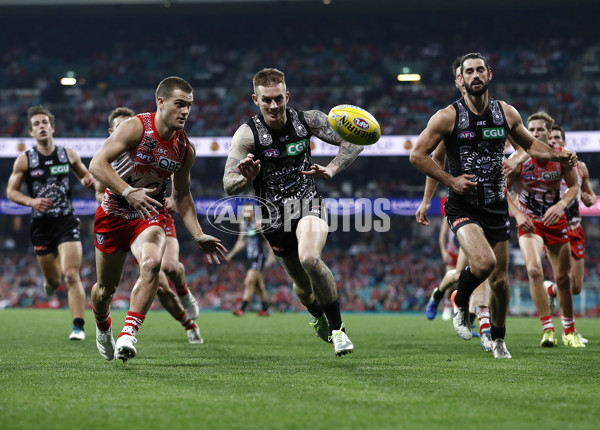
x=283, y=239
x=256, y=263
x=48, y=233
x=492, y=219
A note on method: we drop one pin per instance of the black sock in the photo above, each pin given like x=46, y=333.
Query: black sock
x=438, y=294
x=467, y=282
x=244, y=305
x=472, y=316
x=315, y=309
x=334, y=316
x=78, y=322
x=265, y=306
x=497, y=332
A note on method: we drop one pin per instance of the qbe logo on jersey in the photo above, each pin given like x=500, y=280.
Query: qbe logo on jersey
x=493, y=133
x=168, y=164
x=59, y=170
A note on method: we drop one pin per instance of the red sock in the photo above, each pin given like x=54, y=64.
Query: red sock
x=483, y=314
x=547, y=323
x=133, y=322
x=568, y=324
x=103, y=321
x=184, y=289
x=186, y=322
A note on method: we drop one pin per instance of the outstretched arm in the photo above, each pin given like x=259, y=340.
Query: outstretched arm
x=82, y=173
x=439, y=156
x=588, y=197
x=347, y=153
x=240, y=167
x=187, y=211
x=534, y=147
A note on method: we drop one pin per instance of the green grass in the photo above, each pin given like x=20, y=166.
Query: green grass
x=273, y=372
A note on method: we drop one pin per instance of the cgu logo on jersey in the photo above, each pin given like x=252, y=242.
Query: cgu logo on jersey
x=296, y=148
x=61, y=169
x=168, y=164
x=37, y=172
x=551, y=176
x=144, y=157
x=271, y=153
x=493, y=133
x=468, y=135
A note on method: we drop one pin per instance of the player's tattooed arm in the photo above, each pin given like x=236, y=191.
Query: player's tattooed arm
x=346, y=156
x=233, y=181
x=347, y=153
x=320, y=127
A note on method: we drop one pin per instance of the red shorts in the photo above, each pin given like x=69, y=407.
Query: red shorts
x=454, y=256
x=577, y=239
x=170, y=227
x=114, y=234
x=552, y=234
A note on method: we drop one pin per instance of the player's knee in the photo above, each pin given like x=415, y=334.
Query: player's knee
x=311, y=262
x=53, y=283
x=150, y=265
x=71, y=276
x=106, y=290
x=535, y=272
x=563, y=281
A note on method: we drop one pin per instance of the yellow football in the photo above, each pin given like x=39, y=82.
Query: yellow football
x=354, y=124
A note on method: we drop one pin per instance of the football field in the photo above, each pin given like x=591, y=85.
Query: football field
x=274, y=373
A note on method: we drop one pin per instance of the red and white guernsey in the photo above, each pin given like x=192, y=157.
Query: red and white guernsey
x=149, y=164
x=539, y=185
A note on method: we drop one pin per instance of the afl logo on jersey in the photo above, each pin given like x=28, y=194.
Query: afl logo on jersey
x=271, y=153
x=144, y=157
x=37, y=172
x=468, y=135
x=99, y=239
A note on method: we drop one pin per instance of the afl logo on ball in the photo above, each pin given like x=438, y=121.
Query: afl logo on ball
x=361, y=123
x=99, y=239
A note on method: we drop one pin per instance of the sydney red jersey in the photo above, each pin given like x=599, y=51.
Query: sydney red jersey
x=539, y=185
x=149, y=164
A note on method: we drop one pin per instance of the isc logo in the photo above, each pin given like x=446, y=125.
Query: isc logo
x=493, y=133
x=59, y=170
x=361, y=123
x=169, y=165
x=297, y=147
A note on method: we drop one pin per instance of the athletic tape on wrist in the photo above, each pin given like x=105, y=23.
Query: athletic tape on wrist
x=127, y=191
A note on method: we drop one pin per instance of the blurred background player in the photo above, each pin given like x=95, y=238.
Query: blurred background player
x=132, y=214
x=182, y=307
x=297, y=239
x=576, y=233
x=542, y=224
x=54, y=227
x=252, y=239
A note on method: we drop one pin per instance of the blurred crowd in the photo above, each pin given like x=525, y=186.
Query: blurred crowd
x=533, y=71
x=390, y=272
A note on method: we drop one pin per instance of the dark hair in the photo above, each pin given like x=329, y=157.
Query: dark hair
x=456, y=64
x=559, y=128
x=39, y=110
x=170, y=84
x=120, y=111
x=268, y=77
x=473, y=56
